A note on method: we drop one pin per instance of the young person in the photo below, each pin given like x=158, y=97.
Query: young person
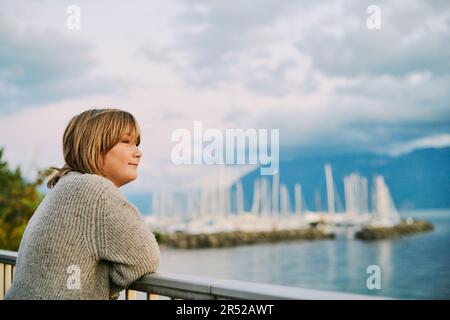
x=85, y=241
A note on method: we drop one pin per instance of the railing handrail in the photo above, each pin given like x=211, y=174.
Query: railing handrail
x=8, y=257
x=197, y=287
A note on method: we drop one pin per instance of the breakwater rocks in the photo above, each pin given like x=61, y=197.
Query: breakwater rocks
x=229, y=239
x=405, y=227
x=182, y=240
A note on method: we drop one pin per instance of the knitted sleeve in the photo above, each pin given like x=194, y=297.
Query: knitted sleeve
x=127, y=243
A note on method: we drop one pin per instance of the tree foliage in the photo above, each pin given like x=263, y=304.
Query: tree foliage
x=18, y=201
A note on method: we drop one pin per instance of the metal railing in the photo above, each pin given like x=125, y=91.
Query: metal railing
x=176, y=286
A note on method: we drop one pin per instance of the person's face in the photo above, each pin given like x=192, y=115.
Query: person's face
x=121, y=162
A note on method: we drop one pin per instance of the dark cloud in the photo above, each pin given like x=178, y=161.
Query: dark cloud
x=42, y=67
x=421, y=95
x=373, y=113
x=414, y=37
x=229, y=42
x=349, y=132
x=394, y=81
x=218, y=39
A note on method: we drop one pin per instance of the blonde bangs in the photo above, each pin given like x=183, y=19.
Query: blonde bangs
x=126, y=125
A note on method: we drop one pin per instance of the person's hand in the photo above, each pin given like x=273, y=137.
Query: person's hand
x=114, y=296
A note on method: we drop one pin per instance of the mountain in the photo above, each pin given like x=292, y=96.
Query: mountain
x=143, y=201
x=417, y=180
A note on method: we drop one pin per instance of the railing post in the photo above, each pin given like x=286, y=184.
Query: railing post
x=151, y=296
x=130, y=294
x=8, y=277
x=2, y=281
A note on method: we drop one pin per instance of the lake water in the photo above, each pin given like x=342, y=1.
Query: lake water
x=412, y=267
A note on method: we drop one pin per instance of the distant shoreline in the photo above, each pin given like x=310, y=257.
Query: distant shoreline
x=235, y=238
x=405, y=227
x=180, y=240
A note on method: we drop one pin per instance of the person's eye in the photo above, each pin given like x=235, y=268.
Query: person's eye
x=125, y=141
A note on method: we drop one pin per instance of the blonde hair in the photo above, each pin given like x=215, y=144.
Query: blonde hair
x=89, y=136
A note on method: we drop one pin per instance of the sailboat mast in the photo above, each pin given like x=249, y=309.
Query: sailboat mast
x=330, y=188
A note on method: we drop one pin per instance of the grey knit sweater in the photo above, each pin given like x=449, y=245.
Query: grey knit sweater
x=85, y=241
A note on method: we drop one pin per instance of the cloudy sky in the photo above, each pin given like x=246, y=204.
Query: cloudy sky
x=312, y=69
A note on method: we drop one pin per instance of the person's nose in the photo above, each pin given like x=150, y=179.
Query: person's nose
x=137, y=153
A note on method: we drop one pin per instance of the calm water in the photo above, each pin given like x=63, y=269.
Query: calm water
x=413, y=267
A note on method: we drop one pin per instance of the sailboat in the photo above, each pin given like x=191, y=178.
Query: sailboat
x=357, y=215
x=385, y=212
